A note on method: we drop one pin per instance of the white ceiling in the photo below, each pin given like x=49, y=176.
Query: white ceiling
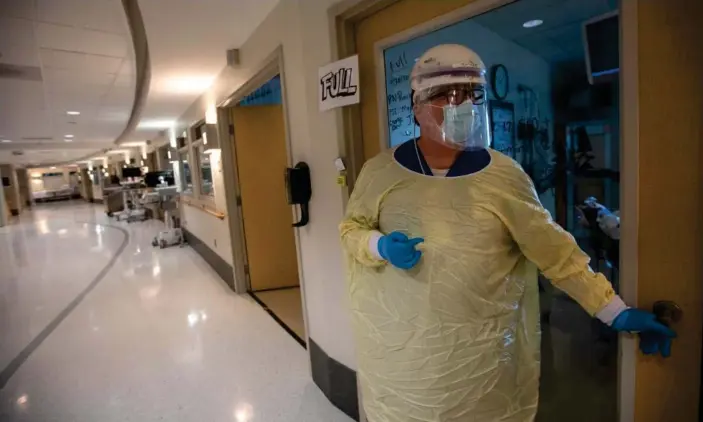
x=559, y=38
x=73, y=55
x=77, y=55
x=187, y=44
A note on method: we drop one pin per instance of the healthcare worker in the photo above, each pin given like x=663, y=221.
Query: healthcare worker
x=443, y=235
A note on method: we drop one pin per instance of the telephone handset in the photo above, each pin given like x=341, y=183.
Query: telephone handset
x=299, y=189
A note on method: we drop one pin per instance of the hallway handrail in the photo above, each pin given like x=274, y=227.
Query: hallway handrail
x=204, y=208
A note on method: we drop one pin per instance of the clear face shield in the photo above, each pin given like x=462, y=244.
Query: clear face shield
x=454, y=114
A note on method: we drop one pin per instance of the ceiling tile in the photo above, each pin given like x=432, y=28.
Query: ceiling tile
x=19, y=100
x=86, y=77
x=17, y=43
x=108, y=16
x=79, y=100
x=100, y=15
x=81, y=40
x=125, y=81
x=79, y=61
x=21, y=127
x=119, y=96
x=113, y=114
x=558, y=38
x=23, y=9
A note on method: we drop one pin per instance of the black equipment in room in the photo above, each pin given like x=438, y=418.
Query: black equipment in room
x=131, y=172
x=151, y=179
x=299, y=188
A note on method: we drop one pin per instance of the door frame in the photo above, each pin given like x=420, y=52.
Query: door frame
x=348, y=13
x=269, y=68
x=629, y=192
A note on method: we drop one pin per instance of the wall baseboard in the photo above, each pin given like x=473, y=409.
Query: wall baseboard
x=335, y=380
x=221, y=267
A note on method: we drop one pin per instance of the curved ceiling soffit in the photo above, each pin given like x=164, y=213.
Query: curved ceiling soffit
x=143, y=77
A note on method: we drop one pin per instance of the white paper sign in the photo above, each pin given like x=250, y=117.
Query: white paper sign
x=339, y=83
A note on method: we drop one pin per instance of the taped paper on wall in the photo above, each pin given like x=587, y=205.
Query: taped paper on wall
x=339, y=83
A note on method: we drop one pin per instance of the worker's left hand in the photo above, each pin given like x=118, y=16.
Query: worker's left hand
x=655, y=337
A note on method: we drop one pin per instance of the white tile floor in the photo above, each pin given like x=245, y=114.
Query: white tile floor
x=159, y=338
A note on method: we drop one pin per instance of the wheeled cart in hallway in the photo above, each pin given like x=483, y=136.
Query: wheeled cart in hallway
x=113, y=201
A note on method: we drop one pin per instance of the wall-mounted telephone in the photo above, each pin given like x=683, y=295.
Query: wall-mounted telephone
x=299, y=188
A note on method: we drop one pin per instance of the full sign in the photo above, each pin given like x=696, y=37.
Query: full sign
x=339, y=83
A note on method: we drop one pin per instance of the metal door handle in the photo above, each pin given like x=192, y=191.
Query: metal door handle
x=667, y=312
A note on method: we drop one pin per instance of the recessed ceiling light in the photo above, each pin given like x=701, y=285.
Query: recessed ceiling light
x=68, y=140
x=533, y=23
x=73, y=113
x=68, y=136
x=6, y=141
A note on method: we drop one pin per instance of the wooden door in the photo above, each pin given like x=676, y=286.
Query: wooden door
x=667, y=246
x=260, y=144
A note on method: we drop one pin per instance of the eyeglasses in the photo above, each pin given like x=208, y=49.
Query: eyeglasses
x=456, y=95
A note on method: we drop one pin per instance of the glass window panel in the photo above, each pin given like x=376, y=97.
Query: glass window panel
x=187, y=175
x=206, y=187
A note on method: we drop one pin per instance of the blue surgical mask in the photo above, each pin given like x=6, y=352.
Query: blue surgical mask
x=464, y=125
x=458, y=122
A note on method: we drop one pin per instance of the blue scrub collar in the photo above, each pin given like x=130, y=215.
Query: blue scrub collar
x=467, y=162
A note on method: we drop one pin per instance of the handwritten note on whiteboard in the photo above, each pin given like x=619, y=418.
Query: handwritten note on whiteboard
x=399, y=60
x=401, y=124
x=503, y=127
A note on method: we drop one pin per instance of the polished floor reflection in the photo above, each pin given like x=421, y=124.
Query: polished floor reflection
x=96, y=325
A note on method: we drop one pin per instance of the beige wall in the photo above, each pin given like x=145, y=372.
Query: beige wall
x=4, y=210
x=86, y=185
x=24, y=187
x=12, y=192
x=208, y=228
x=302, y=29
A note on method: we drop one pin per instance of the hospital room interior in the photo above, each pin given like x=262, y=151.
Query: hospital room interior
x=177, y=180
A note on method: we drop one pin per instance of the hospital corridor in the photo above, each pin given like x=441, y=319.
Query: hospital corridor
x=351, y=210
x=99, y=325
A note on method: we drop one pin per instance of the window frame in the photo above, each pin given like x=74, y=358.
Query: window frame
x=194, y=148
x=198, y=146
x=186, y=150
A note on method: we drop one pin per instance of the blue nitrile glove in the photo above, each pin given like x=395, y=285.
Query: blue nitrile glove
x=399, y=250
x=655, y=337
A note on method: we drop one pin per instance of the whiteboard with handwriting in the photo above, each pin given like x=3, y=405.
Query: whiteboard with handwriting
x=524, y=67
x=399, y=61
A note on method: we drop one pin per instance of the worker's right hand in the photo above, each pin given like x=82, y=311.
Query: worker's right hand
x=400, y=250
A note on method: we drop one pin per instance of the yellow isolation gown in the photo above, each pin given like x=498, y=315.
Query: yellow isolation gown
x=456, y=338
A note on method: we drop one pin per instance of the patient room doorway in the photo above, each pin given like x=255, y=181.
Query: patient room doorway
x=261, y=157
x=583, y=144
